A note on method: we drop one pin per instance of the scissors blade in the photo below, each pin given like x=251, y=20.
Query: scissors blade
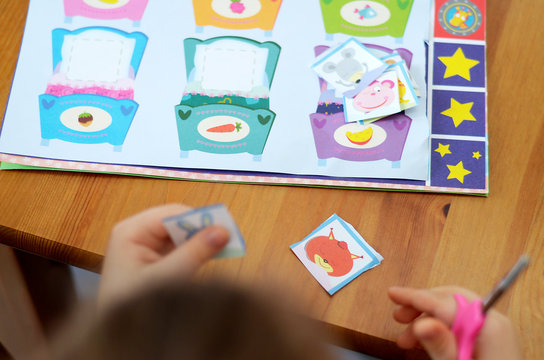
x=505, y=282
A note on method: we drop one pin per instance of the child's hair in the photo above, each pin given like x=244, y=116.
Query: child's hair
x=194, y=321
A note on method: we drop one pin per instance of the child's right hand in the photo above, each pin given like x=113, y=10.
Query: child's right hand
x=429, y=314
x=140, y=253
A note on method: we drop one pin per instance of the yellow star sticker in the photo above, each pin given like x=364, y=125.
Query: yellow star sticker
x=476, y=155
x=459, y=112
x=458, y=172
x=443, y=149
x=458, y=64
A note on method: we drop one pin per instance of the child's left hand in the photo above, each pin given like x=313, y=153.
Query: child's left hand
x=430, y=313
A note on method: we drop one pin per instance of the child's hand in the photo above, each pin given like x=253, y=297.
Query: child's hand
x=140, y=252
x=430, y=313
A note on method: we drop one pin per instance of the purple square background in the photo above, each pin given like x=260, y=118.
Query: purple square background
x=442, y=124
x=461, y=150
x=474, y=52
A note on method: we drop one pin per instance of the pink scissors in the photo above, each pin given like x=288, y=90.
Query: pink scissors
x=470, y=316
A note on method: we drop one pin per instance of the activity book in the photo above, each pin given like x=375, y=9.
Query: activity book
x=363, y=94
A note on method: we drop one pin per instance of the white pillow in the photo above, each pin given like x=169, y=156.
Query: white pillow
x=230, y=65
x=97, y=56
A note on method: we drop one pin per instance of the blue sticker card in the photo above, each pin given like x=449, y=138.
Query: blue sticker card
x=335, y=254
x=182, y=227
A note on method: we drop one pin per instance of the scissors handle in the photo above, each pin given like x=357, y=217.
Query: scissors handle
x=468, y=322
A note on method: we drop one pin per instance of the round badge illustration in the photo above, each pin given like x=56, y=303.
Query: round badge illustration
x=460, y=17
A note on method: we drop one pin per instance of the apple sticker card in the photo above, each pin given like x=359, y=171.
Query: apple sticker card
x=335, y=254
x=182, y=227
x=349, y=68
x=379, y=99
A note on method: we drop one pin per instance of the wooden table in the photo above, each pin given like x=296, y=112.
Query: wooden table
x=426, y=239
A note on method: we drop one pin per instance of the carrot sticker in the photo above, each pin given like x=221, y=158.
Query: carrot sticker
x=226, y=128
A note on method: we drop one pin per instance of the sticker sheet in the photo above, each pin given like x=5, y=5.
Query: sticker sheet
x=458, y=93
x=335, y=254
x=227, y=90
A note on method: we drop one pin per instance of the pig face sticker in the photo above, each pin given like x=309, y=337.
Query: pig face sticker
x=375, y=96
x=379, y=99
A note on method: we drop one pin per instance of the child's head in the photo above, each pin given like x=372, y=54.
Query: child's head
x=195, y=321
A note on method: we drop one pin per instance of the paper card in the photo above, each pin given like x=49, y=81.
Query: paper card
x=458, y=163
x=394, y=59
x=335, y=254
x=407, y=94
x=379, y=99
x=349, y=68
x=182, y=227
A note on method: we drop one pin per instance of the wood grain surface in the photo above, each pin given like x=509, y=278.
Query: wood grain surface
x=426, y=239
